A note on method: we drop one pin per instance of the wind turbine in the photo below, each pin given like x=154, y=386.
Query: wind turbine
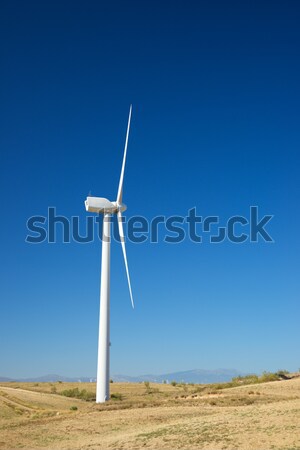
x=107, y=208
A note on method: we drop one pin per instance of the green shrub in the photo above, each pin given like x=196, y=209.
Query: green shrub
x=71, y=393
x=268, y=376
x=247, y=379
x=116, y=396
x=149, y=389
x=174, y=383
x=73, y=408
x=199, y=388
x=282, y=373
x=76, y=393
x=255, y=379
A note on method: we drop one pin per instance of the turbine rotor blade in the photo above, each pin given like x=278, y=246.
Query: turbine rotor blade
x=122, y=240
x=120, y=190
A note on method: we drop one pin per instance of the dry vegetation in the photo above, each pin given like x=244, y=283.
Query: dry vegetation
x=244, y=414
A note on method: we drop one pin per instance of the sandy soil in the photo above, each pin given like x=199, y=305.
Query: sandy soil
x=256, y=417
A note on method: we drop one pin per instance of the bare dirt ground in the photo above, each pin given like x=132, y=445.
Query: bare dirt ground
x=257, y=417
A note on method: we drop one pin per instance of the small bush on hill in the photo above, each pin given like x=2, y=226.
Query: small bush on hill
x=149, y=389
x=268, y=376
x=282, y=374
x=116, y=396
x=76, y=393
x=247, y=379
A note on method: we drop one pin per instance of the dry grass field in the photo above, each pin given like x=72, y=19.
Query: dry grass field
x=157, y=416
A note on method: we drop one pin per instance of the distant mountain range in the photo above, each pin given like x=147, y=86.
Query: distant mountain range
x=190, y=376
x=52, y=378
x=200, y=376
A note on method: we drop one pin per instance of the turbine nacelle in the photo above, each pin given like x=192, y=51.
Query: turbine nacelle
x=103, y=205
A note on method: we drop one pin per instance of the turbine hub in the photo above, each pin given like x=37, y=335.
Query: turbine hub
x=119, y=206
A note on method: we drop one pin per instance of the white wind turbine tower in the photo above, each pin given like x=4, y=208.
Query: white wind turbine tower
x=107, y=208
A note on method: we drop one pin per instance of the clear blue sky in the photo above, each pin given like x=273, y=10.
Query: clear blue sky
x=215, y=94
